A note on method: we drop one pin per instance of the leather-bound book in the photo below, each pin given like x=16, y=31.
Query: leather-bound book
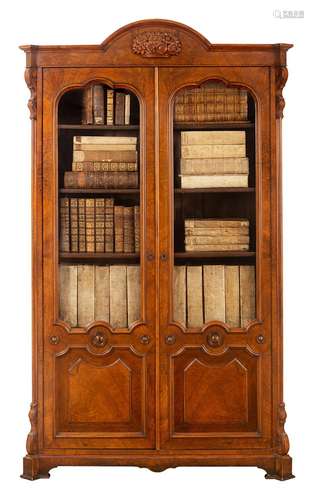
x=101, y=309
x=64, y=225
x=118, y=297
x=133, y=293
x=119, y=108
x=82, y=225
x=99, y=225
x=90, y=224
x=98, y=104
x=118, y=228
x=68, y=293
x=247, y=294
x=179, y=294
x=87, y=116
x=128, y=229
x=127, y=109
x=74, y=224
x=194, y=285
x=110, y=155
x=232, y=290
x=104, y=180
x=85, y=294
x=109, y=106
x=137, y=228
x=109, y=232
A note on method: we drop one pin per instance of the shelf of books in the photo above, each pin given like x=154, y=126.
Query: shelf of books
x=214, y=206
x=99, y=206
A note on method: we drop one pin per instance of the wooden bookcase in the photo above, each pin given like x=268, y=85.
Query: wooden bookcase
x=130, y=379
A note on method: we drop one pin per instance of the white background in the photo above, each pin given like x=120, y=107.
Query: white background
x=90, y=22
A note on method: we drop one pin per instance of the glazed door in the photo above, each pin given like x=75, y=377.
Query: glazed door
x=99, y=269
x=214, y=247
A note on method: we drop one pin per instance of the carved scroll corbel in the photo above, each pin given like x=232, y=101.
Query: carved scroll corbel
x=32, y=438
x=30, y=76
x=283, y=440
x=281, y=78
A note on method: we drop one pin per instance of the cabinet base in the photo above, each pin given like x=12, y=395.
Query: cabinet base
x=277, y=467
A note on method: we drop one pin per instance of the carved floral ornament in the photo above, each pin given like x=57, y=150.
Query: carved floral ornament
x=156, y=44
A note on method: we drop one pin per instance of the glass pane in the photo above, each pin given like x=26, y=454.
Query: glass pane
x=214, y=206
x=99, y=206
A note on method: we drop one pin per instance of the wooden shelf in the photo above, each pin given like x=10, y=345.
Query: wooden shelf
x=215, y=190
x=98, y=255
x=213, y=125
x=98, y=191
x=70, y=126
x=210, y=255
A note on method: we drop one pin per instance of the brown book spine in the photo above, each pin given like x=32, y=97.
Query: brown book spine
x=109, y=106
x=118, y=228
x=74, y=224
x=127, y=109
x=82, y=225
x=99, y=225
x=136, y=228
x=128, y=229
x=90, y=224
x=109, y=155
x=109, y=206
x=104, y=180
x=87, y=116
x=103, y=166
x=119, y=108
x=64, y=225
x=98, y=104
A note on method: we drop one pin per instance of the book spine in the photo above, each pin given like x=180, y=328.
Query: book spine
x=85, y=294
x=210, y=181
x=68, y=293
x=74, y=224
x=110, y=99
x=87, y=115
x=212, y=151
x=102, y=139
x=194, y=296
x=216, y=223
x=211, y=166
x=82, y=225
x=214, y=293
x=220, y=231
x=64, y=225
x=103, y=166
x=137, y=235
x=105, y=180
x=179, y=294
x=101, y=293
x=112, y=155
x=99, y=225
x=232, y=296
x=216, y=248
x=133, y=294
x=217, y=240
x=104, y=147
x=109, y=234
x=119, y=108
x=127, y=109
x=90, y=224
x=118, y=229
x=128, y=229
x=230, y=137
x=98, y=104
x=247, y=294
x=118, y=297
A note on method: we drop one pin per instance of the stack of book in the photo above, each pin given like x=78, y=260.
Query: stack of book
x=96, y=225
x=213, y=102
x=214, y=293
x=104, y=106
x=107, y=162
x=214, y=235
x=213, y=159
x=100, y=293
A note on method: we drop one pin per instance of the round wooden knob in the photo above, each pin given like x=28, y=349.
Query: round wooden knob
x=214, y=339
x=99, y=340
x=170, y=339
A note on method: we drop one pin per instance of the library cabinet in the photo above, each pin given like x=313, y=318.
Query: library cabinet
x=157, y=261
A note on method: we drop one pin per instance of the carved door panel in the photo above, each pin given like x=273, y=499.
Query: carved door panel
x=215, y=357
x=99, y=326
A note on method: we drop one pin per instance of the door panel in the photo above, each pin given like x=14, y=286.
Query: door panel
x=214, y=369
x=99, y=351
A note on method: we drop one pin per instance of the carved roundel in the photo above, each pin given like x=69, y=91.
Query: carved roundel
x=156, y=44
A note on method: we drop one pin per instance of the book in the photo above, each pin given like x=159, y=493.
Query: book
x=110, y=106
x=208, y=151
x=226, y=247
x=133, y=293
x=118, y=228
x=110, y=155
x=119, y=109
x=218, y=231
x=104, y=147
x=99, y=225
x=68, y=293
x=82, y=225
x=103, y=166
x=210, y=166
x=216, y=223
x=87, y=115
x=194, y=296
x=105, y=180
x=179, y=294
x=247, y=294
x=137, y=236
x=214, y=293
x=85, y=294
x=64, y=225
x=232, y=296
x=109, y=235
x=128, y=229
x=217, y=240
x=74, y=224
x=98, y=104
x=101, y=308
x=118, y=297
x=103, y=139
x=90, y=224
x=211, y=181
x=127, y=109
x=196, y=137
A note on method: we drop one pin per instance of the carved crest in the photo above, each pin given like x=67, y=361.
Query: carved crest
x=156, y=44
x=281, y=78
x=30, y=76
